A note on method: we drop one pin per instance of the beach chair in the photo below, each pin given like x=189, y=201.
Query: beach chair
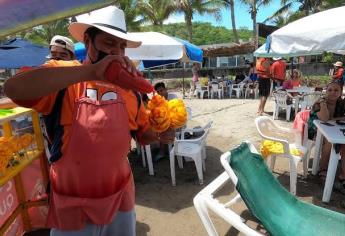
x=216, y=89
x=280, y=212
x=290, y=140
x=281, y=101
x=309, y=99
x=200, y=90
x=193, y=148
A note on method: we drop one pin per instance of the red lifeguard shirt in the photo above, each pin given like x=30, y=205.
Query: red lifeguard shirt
x=278, y=70
x=339, y=73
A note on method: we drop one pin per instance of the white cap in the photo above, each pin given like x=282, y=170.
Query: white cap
x=63, y=42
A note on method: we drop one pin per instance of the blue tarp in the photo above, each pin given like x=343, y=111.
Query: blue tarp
x=17, y=53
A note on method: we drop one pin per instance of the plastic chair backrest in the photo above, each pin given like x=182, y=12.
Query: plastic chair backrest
x=200, y=141
x=189, y=113
x=215, y=87
x=198, y=85
x=279, y=211
x=310, y=98
x=268, y=129
x=281, y=97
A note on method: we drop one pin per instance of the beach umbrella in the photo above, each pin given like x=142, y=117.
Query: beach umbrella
x=17, y=53
x=157, y=49
x=17, y=15
x=311, y=35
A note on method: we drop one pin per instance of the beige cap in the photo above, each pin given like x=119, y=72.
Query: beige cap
x=62, y=41
x=338, y=63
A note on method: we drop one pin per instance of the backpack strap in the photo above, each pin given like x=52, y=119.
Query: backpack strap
x=54, y=128
x=138, y=96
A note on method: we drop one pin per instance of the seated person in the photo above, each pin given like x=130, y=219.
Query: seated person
x=327, y=108
x=161, y=90
x=239, y=77
x=294, y=79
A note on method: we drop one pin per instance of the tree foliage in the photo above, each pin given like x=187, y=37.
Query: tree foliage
x=203, y=33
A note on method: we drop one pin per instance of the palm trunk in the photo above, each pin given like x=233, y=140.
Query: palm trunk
x=253, y=15
x=189, y=27
x=233, y=22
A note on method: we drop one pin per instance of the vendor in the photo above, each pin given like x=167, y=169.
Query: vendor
x=92, y=188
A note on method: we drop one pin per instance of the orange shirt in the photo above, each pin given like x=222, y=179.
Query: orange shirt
x=339, y=73
x=97, y=90
x=278, y=70
x=263, y=67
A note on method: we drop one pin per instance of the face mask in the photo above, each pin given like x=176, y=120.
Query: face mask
x=101, y=54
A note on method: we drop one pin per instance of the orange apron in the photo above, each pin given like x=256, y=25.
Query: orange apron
x=93, y=179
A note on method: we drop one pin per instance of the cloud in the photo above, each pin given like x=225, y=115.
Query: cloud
x=175, y=18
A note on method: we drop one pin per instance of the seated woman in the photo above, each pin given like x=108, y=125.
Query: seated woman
x=294, y=79
x=330, y=107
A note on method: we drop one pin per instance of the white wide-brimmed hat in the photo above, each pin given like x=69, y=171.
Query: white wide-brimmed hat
x=63, y=42
x=338, y=63
x=109, y=19
x=277, y=58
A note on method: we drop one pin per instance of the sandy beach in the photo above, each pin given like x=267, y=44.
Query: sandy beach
x=166, y=210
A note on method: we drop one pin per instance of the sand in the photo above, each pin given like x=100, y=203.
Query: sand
x=166, y=210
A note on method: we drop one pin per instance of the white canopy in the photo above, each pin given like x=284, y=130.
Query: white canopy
x=156, y=46
x=311, y=35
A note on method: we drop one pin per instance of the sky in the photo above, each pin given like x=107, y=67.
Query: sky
x=241, y=14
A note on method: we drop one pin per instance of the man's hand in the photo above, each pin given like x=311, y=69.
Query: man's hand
x=100, y=67
x=167, y=136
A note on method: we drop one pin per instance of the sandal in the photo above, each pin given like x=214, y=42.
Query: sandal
x=340, y=186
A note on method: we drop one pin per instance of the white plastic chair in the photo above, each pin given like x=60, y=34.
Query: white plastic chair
x=238, y=88
x=215, y=89
x=269, y=130
x=147, y=156
x=200, y=90
x=309, y=100
x=192, y=148
x=281, y=102
x=205, y=200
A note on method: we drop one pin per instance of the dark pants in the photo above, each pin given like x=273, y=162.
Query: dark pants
x=264, y=87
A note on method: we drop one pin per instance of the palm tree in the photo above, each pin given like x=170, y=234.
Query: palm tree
x=190, y=7
x=44, y=33
x=306, y=7
x=327, y=4
x=132, y=13
x=156, y=12
x=230, y=4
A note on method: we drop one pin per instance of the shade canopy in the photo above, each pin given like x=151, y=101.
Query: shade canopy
x=311, y=35
x=17, y=15
x=156, y=49
x=17, y=53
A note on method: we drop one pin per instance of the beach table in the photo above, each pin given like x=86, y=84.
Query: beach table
x=23, y=198
x=334, y=134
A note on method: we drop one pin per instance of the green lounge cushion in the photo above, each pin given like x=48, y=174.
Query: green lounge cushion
x=278, y=210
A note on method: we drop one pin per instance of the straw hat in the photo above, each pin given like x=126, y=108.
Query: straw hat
x=338, y=63
x=109, y=19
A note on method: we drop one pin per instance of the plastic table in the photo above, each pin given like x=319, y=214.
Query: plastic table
x=334, y=135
